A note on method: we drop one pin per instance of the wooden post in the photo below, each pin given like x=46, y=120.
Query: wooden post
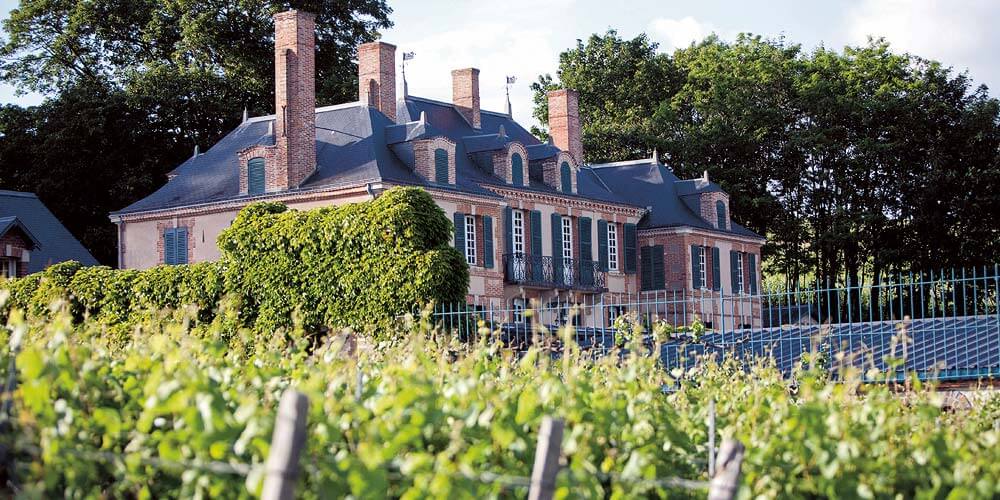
x=711, y=437
x=726, y=481
x=282, y=468
x=543, y=474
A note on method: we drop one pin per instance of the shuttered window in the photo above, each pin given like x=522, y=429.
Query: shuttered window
x=752, y=259
x=175, y=245
x=470, y=239
x=441, y=166
x=736, y=271
x=255, y=176
x=652, y=274
x=602, y=244
x=488, y=242
x=716, y=276
x=698, y=268
x=459, y=220
x=586, y=242
x=612, y=247
x=517, y=169
x=565, y=178
x=630, y=248
x=720, y=214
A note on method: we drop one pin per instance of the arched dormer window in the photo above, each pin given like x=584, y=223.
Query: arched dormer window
x=517, y=169
x=720, y=214
x=440, y=166
x=255, y=176
x=565, y=178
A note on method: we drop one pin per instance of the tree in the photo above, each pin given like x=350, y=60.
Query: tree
x=134, y=85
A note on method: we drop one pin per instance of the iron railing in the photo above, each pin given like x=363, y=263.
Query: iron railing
x=941, y=325
x=554, y=272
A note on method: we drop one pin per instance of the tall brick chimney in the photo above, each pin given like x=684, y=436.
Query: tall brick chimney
x=564, y=122
x=377, y=77
x=465, y=94
x=294, y=97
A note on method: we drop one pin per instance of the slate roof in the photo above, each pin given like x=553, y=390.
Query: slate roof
x=357, y=144
x=55, y=243
x=12, y=222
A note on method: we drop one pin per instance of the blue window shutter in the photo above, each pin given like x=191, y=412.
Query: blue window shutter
x=536, y=233
x=181, y=243
x=460, y=232
x=658, y=272
x=557, y=254
x=720, y=214
x=630, y=249
x=716, y=279
x=734, y=277
x=508, y=225
x=696, y=267
x=646, y=268
x=488, y=242
x=586, y=239
x=440, y=166
x=169, y=247
x=602, y=244
x=517, y=170
x=255, y=176
x=565, y=178
x=753, y=273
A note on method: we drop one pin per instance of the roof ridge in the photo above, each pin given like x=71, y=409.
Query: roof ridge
x=621, y=163
x=321, y=109
x=449, y=104
x=22, y=194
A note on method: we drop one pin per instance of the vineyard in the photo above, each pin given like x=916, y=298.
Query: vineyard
x=186, y=409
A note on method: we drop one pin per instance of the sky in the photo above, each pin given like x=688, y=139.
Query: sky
x=523, y=38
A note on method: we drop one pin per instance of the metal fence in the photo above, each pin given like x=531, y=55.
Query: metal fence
x=938, y=324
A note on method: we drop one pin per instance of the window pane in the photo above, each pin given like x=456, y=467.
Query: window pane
x=470, y=239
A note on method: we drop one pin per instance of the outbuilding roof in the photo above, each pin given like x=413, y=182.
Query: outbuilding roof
x=54, y=242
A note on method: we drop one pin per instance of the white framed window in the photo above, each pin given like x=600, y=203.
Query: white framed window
x=518, y=311
x=470, y=239
x=567, y=250
x=703, y=267
x=8, y=268
x=612, y=247
x=740, y=288
x=517, y=217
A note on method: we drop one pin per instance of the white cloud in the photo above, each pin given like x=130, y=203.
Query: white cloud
x=960, y=34
x=678, y=33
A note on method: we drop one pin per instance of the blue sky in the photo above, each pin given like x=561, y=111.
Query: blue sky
x=524, y=37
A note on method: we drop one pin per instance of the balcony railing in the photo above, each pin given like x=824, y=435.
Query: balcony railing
x=554, y=272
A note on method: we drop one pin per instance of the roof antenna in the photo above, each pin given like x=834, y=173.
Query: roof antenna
x=656, y=157
x=245, y=115
x=510, y=81
x=406, y=57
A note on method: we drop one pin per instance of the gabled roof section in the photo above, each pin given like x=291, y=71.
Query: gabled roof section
x=54, y=242
x=10, y=223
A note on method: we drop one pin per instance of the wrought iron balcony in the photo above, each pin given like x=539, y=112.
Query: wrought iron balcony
x=554, y=272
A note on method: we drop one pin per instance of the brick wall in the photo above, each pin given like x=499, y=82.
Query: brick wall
x=272, y=160
x=423, y=157
x=295, y=97
x=465, y=94
x=377, y=77
x=551, y=174
x=14, y=246
x=707, y=204
x=564, y=122
x=503, y=166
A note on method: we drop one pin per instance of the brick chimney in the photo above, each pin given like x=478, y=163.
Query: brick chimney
x=294, y=97
x=377, y=77
x=465, y=94
x=564, y=122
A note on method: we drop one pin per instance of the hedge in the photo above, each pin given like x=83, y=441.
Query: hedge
x=358, y=265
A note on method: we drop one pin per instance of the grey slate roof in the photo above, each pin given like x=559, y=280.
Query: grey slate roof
x=357, y=144
x=55, y=243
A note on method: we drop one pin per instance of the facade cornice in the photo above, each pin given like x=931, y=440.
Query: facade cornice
x=553, y=199
x=662, y=231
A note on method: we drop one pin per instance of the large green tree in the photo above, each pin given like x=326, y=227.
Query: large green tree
x=854, y=163
x=132, y=86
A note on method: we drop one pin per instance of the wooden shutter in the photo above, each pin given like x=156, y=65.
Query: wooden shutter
x=508, y=225
x=753, y=273
x=255, y=176
x=536, y=233
x=488, y=242
x=586, y=241
x=602, y=244
x=169, y=247
x=716, y=278
x=565, y=178
x=658, y=273
x=557, y=253
x=441, y=166
x=646, y=268
x=460, y=233
x=734, y=272
x=720, y=214
x=630, y=249
x=517, y=170
x=181, y=245
x=696, y=267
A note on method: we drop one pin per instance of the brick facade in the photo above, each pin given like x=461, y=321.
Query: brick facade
x=15, y=246
x=551, y=174
x=465, y=94
x=503, y=164
x=564, y=122
x=423, y=157
x=272, y=160
x=377, y=77
x=707, y=203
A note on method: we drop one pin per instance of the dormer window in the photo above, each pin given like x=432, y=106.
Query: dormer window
x=565, y=178
x=255, y=176
x=720, y=214
x=517, y=169
x=440, y=166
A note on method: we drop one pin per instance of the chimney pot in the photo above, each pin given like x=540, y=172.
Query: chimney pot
x=377, y=77
x=564, y=122
x=465, y=94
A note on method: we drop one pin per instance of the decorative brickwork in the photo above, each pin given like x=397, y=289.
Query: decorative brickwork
x=295, y=97
x=564, y=122
x=377, y=77
x=552, y=175
x=503, y=164
x=465, y=94
x=423, y=157
x=708, y=211
x=271, y=156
